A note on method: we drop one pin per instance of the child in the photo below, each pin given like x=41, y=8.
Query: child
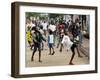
x=51, y=42
x=70, y=45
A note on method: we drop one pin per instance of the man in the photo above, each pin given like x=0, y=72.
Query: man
x=70, y=45
x=37, y=40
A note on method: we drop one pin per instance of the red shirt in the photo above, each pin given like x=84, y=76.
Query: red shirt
x=61, y=26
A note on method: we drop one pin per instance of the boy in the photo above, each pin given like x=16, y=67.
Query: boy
x=51, y=42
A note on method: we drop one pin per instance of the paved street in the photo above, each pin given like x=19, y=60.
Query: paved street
x=59, y=58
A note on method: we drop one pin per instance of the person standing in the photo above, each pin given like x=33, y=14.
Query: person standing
x=52, y=27
x=37, y=39
x=51, y=42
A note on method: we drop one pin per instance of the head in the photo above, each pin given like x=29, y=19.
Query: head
x=52, y=22
x=44, y=21
x=66, y=33
x=76, y=20
x=50, y=32
x=35, y=29
x=69, y=21
x=33, y=21
x=41, y=27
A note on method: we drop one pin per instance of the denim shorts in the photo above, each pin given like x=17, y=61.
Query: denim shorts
x=50, y=45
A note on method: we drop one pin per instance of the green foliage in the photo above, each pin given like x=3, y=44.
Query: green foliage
x=54, y=15
x=30, y=14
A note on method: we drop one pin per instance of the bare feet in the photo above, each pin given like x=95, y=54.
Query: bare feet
x=53, y=53
x=71, y=63
x=40, y=61
x=80, y=56
x=60, y=50
x=32, y=59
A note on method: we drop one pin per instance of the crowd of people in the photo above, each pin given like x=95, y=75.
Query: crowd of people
x=60, y=33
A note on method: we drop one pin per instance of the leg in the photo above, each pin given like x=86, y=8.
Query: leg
x=61, y=45
x=50, y=46
x=32, y=46
x=58, y=45
x=77, y=48
x=73, y=54
x=35, y=49
x=53, y=51
x=59, y=42
x=42, y=45
x=50, y=51
x=40, y=55
x=29, y=42
x=39, y=49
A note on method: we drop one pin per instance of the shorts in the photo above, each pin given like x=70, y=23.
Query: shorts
x=73, y=47
x=37, y=45
x=50, y=45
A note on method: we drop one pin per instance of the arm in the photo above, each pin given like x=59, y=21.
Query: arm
x=33, y=37
x=62, y=40
x=43, y=38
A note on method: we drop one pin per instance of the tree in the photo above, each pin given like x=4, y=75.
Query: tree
x=54, y=15
x=31, y=14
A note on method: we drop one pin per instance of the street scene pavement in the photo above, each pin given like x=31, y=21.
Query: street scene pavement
x=59, y=58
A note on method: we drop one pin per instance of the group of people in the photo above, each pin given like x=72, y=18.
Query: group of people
x=50, y=32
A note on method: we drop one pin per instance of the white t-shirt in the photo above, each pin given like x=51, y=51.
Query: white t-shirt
x=44, y=26
x=67, y=42
x=51, y=39
x=52, y=27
